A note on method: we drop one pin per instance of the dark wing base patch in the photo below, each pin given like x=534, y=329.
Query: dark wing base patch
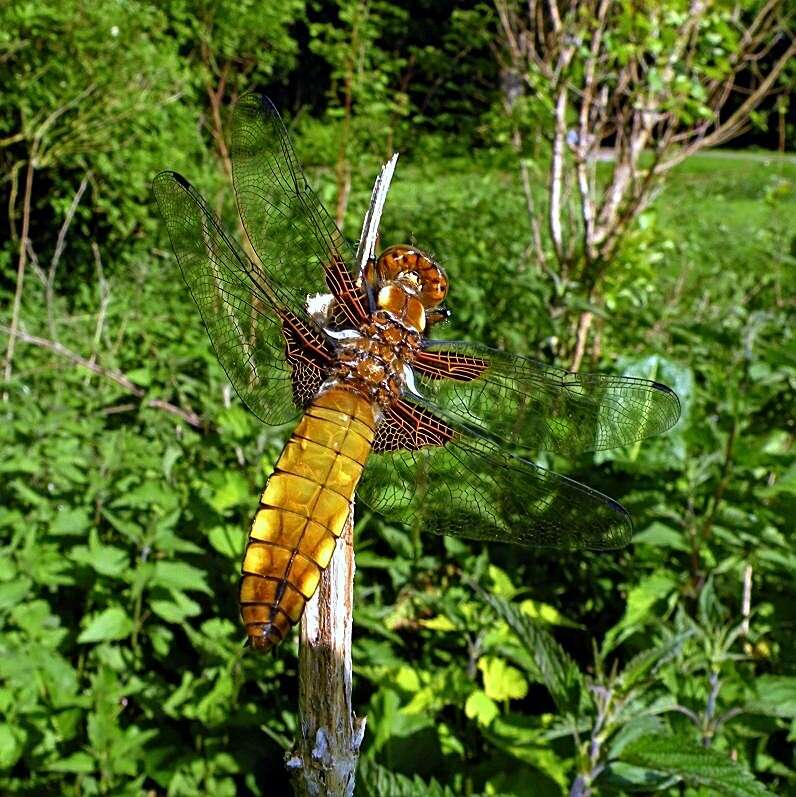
x=305, y=350
x=407, y=427
x=449, y=365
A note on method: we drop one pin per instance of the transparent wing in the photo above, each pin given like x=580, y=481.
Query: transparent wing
x=285, y=220
x=536, y=406
x=472, y=487
x=251, y=331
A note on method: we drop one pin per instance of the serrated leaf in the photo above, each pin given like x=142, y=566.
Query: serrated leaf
x=374, y=780
x=694, y=764
x=180, y=576
x=556, y=670
x=110, y=625
x=776, y=696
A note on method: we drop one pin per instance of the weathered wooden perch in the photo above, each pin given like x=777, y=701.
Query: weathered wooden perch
x=324, y=758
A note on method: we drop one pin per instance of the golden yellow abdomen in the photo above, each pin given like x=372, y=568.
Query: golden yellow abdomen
x=303, y=510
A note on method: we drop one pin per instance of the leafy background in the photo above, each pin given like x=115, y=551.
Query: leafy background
x=481, y=669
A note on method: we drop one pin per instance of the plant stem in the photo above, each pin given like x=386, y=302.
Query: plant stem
x=324, y=758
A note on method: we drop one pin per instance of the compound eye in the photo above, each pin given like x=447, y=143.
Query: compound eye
x=435, y=284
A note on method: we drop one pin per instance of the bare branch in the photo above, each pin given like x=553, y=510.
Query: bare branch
x=21, y=264
x=49, y=285
x=736, y=121
x=104, y=297
x=112, y=374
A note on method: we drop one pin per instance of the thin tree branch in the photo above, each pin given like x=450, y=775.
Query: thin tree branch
x=731, y=126
x=21, y=264
x=189, y=416
x=49, y=287
x=104, y=297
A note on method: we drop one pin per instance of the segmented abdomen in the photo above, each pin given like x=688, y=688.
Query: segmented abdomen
x=303, y=510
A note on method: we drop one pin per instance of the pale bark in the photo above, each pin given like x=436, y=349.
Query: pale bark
x=562, y=53
x=324, y=759
x=605, y=99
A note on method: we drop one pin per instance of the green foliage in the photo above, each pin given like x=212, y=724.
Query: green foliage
x=695, y=765
x=482, y=670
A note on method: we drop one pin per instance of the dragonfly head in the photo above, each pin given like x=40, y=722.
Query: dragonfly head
x=415, y=272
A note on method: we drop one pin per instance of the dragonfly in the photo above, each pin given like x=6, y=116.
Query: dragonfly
x=432, y=433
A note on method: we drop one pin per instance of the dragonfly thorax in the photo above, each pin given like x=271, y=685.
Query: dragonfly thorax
x=403, y=303
x=374, y=360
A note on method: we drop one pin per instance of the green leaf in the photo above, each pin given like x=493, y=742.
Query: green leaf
x=105, y=559
x=70, y=521
x=141, y=376
x=11, y=745
x=557, y=671
x=648, y=661
x=776, y=696
x=180, y=576
x=438, y=623
x=110, y=625
x=233, y=491
x=170, y=457
x=229, y=541
x=374, y=780
x=501, y=680
x=640, y=602
x=694, y=765
x=177, y=609
x=12, y=592
x=501, y=583
x=481, y=707
x=645, y=595
x=661, y=536
x=79, y=762
x=537, y=610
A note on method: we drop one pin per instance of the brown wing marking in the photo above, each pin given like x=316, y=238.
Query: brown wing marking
x=344, y=289
x=408, y=427
x=449, y=365
x=308, y=356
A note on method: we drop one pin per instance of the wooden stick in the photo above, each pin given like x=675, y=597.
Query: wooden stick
x=325, y=755
x=324, y=759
